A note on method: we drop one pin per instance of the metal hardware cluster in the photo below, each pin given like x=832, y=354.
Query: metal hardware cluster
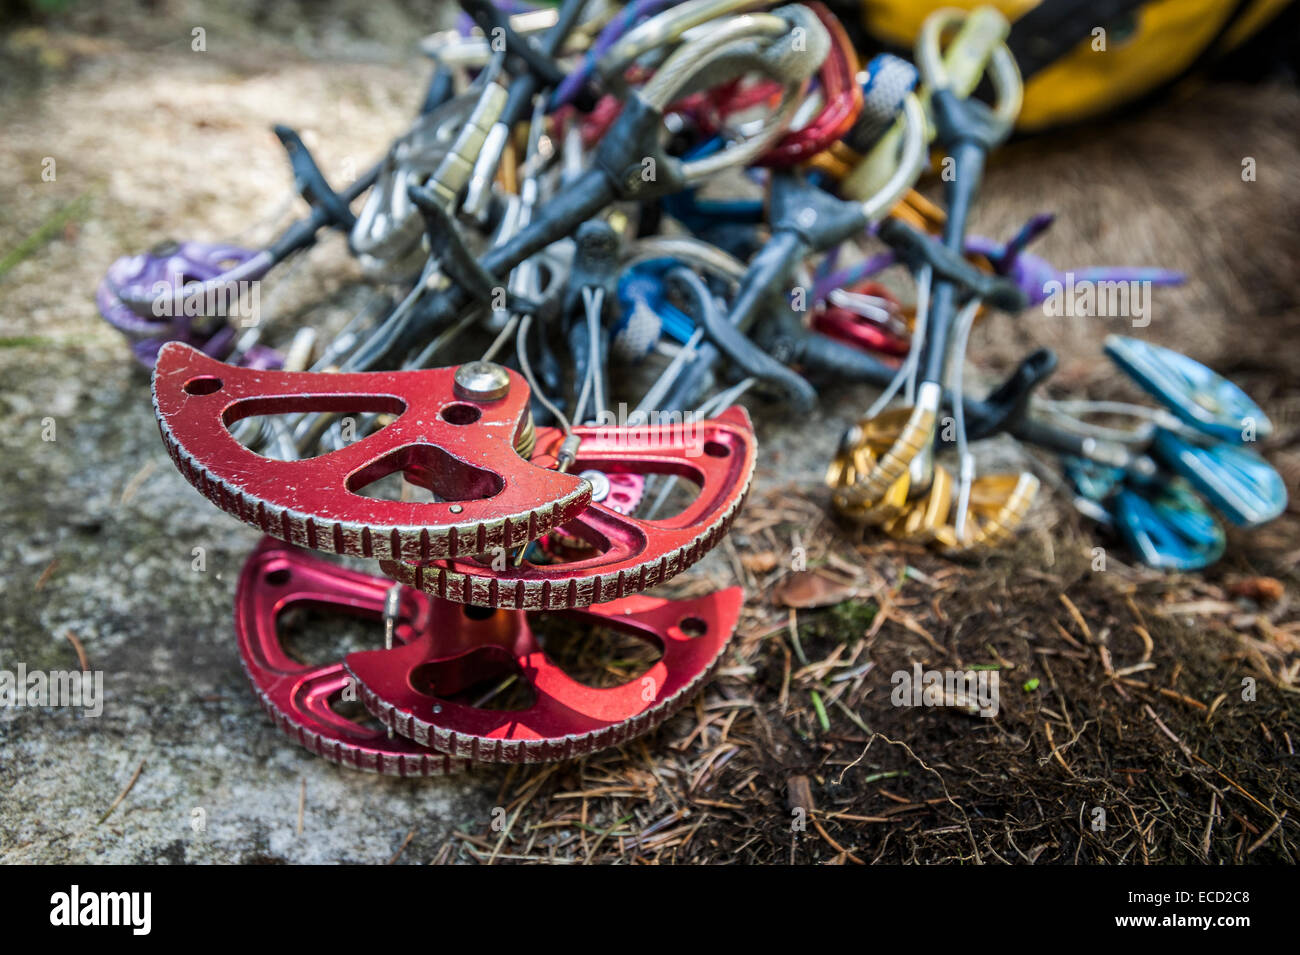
x=568, y=226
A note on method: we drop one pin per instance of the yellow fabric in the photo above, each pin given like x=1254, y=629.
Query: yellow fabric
x=1168, y=36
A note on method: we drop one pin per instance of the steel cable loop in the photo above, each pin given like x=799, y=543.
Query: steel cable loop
x=673, y=78
x=664, y=30
x=731, y=49
x=688, y=250
x=794, y=55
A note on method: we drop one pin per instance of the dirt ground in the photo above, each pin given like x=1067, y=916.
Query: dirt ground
x=1122, y=689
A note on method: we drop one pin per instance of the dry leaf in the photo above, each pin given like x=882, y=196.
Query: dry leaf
x=806, y=589
x=763, y=562
x=1264, y=590
x=799, y=793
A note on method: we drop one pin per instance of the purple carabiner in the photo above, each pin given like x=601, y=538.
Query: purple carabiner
x=180, y=280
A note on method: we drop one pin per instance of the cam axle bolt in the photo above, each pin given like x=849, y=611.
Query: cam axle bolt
x=482, y=381
x=599, y=484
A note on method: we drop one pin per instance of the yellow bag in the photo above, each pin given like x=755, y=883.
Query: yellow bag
x=1089, y=69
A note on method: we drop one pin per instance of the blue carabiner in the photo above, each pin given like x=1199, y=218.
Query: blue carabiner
x=1093, y=481
x=1198, y=395
x=1168, y=526
x=1240, y=484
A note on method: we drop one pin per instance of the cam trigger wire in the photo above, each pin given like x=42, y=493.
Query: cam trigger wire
x=906, y=374
x=593, y=300
x=966, y=473
x=569, y=448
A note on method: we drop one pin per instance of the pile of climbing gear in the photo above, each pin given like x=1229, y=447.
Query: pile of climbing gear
x=572, y=283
